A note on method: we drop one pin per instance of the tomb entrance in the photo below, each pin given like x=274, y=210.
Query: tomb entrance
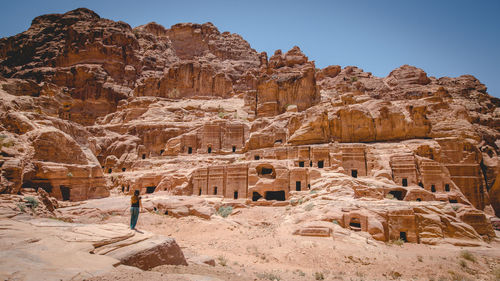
x=404, y=182
x=256, y=196
x=65, y=192
x=354, y=173
x=355, y=224
x=150, y=189
x=275, y=195
x=398, y=194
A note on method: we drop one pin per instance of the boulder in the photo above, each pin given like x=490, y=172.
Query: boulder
x=407, y=74
x=328, y=72
x=155, y=251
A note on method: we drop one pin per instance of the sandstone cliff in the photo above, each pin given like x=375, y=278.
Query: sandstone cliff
x=91, y=105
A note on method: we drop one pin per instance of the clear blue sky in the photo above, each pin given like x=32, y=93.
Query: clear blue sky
x=445, y=38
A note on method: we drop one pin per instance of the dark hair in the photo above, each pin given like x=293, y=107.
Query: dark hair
x=136, y=192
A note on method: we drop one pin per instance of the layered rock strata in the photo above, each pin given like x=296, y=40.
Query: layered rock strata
x=92, y=107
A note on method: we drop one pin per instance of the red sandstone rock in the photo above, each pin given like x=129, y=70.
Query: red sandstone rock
x=329, y=71
x=89, y=105
x=289, y=80
x=495, y=195
x=150, y=253
x=407, y=74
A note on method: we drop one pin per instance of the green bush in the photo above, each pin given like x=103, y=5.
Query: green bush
x=395, y=274
x=398, y=242
x=222, y=260
x=225, y=211
x=21, y=207
x=468, y=256
x=454, y=276
x=319, y=276
x=8, y=143
x=33, y=203
x=309, y=207
x=269, y=276
x=222, y=111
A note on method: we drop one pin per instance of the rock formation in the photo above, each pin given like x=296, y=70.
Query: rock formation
x=92, y=106
x=95, y=248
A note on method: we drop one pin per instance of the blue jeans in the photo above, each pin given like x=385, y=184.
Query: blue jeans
x=134, y=215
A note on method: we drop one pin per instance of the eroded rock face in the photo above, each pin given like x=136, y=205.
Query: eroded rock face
x=379, y=121
x=56, y=146
x=95, y=249
x=90, y=106
x=78, y=50
x=288, y=80
x=407, y=75
x=187, y=80
x=494, y=194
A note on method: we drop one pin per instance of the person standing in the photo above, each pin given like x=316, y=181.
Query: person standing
x=135, y=201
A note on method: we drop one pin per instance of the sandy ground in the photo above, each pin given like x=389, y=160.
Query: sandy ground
x=257, y=244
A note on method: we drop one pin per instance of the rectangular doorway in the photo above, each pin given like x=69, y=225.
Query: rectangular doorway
x=402, y=236
x=298, y=185
x=65, y=192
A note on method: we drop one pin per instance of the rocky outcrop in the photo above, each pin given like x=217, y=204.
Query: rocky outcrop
x=60, y=166
x=379, y=121
x=407, y=75
x=288, y=80
x=11, y=175
x=56, y=146
x=100, y=61
x=494, y=194
x=146, y=254
x=68, y=182
x=80, y=51
x=202, y=61
x=315, y=128
x=90, y=106
x=329, y=71
x=191, y=79
x=95, y=249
